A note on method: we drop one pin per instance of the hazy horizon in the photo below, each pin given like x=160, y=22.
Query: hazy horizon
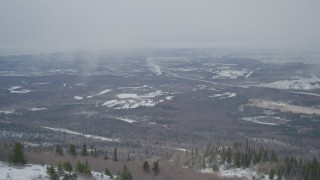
x=50, y=26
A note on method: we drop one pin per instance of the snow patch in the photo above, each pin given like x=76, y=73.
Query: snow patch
x=131, y=101
x=223, y=95
x=38, y=109
x=78, y=97
x=229, y=74
x=6, y=111
x=18, y=90
x=266, y=120
x=80, y=134
x=298, y=84
x=124, y=119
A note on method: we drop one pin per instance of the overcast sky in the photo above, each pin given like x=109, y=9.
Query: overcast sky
x=90, y=24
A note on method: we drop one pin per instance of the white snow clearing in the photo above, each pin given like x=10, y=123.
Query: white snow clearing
x=18, y=90
x=6, y=111
x=249, y=74
x=67, y=131
x=78, y=98
x=265, y=120
x=283, y=107
x=243, y=173
x=103, y=92
x=223, y=95
x=35, y=172
x=306, y=93
x=229, y=74
x=100, y=93
x=131, y=100
x=153, y=66
x=298, y=84
x=38, y=109
x=124, y=119
x=138, y=87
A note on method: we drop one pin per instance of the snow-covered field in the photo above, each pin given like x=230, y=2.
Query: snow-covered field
x=38, y=109
x=100, y=93
x=124, y=119
x=35, y=172
x=298, y=84
x=229, y=74
x=18, y=90
x=77, y=97
x=132, y=100
x=266, y=120
x=6, y=111
x=282, y=106
x=223, y=95
x=80, y=134
x=243, y=173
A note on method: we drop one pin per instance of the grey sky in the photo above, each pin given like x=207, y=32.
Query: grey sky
x=82, y=24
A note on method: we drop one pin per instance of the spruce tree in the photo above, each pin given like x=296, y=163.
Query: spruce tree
x=146, y=167
x=84, y=151
x=155, y=168
x=115, y=155
x=126, y=174
x=72, y=150
x=86, y=168
x=17, y=155
x=107, y=172
x=59, y=149
x=67, y=166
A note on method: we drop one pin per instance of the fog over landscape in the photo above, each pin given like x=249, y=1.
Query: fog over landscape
x=163, y=90
x=37, y=26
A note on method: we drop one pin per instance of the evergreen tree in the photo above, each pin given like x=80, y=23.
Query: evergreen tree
x=229, y=155
x=60, y=169
x=67, y=166
x=106, y=155
x=272, y=173
x=86, y=168
x=126, y=174
x=17, y=155
x=79, y=167
x=155, y=168
x=59, y=149
x=146, y=167
x=107, y=172
x=237, y=159
x=52, y=173
x=72, y=150
x=115, y=155
x=84, y=151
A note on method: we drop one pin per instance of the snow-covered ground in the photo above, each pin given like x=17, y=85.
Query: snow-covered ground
x=6, y=111
x=18, y=90
x=38, y=109
x=266, y=120
x=35, y=172
x=283, y=106
x=243, y=173
x=298, y=84
x=132, y=100
x=78, y=97
x=80, y=134
x=229, y=74
x=124, y=119
x=305, y=93
x=223, y=95
x=100, y=93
